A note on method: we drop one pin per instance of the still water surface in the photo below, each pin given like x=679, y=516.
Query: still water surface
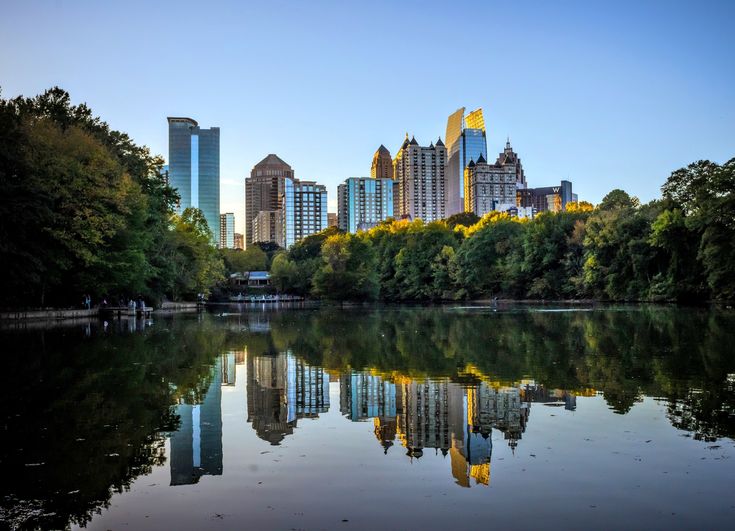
x=388, y=418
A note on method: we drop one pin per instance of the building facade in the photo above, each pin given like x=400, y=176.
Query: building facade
x=332, y=219
x=545, y=199
x=193, y=168
x=420, y=175
x=488, y=187
x=267, y=227
x=466, y=141
x=363, y=202
x=304, y=210
x=227, y=230
x=239, y=241
x=382, y=166
x=264, y=190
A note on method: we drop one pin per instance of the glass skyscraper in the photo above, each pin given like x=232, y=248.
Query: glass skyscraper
x=363, y=202
x=227, y=230
x=304, y=205
x=193, y=155
x=466, y=141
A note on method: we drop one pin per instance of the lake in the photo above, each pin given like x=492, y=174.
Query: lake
x=388, y=417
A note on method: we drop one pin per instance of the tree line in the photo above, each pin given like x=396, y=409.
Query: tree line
x=680, y=247
x=85, y=210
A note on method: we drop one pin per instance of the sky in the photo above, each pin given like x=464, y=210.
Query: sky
x=605, y=94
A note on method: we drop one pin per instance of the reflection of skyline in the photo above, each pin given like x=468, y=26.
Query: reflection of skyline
x=281, y=389
x=453, y=419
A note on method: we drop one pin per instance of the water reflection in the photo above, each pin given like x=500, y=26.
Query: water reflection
x=91, y=407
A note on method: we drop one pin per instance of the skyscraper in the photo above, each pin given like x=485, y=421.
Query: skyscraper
x=304, y=210
x=382, y=166
x=466, y=141
x=267, y=227
x=227, y=231
x=264, y=190
x=193, y=155
x=420, y=173
x=363, y=202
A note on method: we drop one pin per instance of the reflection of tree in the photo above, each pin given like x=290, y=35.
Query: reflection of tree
x=84, y=417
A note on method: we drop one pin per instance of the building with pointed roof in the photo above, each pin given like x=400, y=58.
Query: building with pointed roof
x=264, y=189
x=382, y=167
x=420, y=181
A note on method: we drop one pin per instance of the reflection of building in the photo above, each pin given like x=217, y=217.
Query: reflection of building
x=196, y=447
x=312, y=390
x=193, y=155
x=229, y=362
x=364, y=396
x=363, y=202
x=282, y=389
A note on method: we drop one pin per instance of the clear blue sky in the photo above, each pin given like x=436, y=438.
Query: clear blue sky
x=608, y=96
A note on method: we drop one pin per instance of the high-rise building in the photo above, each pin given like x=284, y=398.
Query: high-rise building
x=264, y=190
x=420, y=173
x=193, y=155
x=332, y=220
x=363, y=202
x=382, y=167
x=239, y=241
x=227, y=230
x=267, y=227
x=466, y=141
x=304, y=210
x=489, y=187
x=547, y=198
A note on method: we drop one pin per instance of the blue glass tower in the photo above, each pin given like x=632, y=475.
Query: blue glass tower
x=193, y=155
x=466, y=141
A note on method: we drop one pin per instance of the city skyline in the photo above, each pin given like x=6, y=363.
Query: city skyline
x=627, y=105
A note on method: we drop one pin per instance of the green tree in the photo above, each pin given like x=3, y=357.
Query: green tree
x=347, y=271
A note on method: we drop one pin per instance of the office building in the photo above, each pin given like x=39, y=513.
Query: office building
x=466, y=141
x=264, y=190
x=545, y=199
x=227, y=231
x=193, y=168
x=239, y=241
x=332, y=220
x=421, y=180
x=382, y=166
x=363, y=202
x=304, y=210
x=267, y=227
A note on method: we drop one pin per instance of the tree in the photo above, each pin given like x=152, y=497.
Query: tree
x=705, y=193
x=283, y=272
x=251, y=259
x=347, y=271
x=466, y=219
